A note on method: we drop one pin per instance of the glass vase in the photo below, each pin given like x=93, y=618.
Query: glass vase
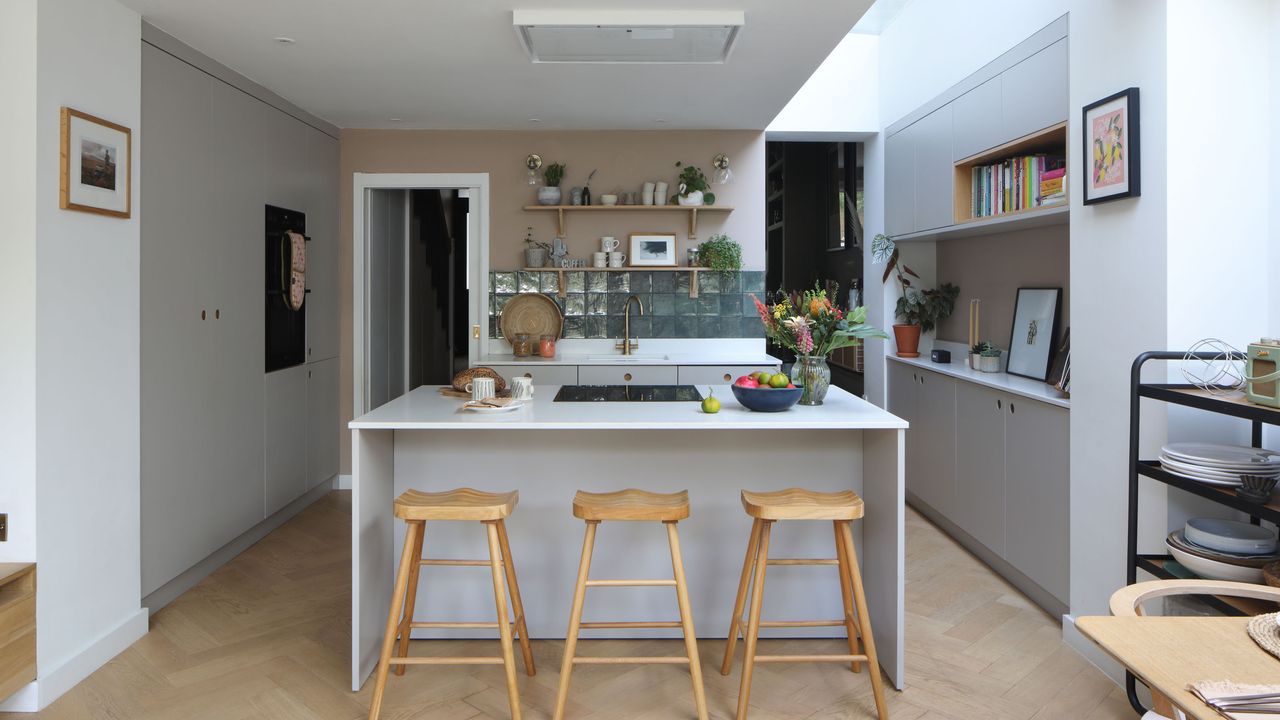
x=811, y=373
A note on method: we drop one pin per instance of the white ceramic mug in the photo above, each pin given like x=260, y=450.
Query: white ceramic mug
x=616, y=259
x=521, y=388
x=660, y=194
x=482, y=388
x=599, y=259
x=608, y=244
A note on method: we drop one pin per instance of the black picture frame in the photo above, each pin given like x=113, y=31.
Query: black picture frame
x=1036, y=369
x=1131, y=131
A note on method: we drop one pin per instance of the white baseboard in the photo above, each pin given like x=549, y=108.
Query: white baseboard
x=53, y=684
x=344, y=482
x=170, y=591
x=1094, y=654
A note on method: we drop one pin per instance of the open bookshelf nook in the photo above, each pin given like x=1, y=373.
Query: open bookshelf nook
x=1020, y=177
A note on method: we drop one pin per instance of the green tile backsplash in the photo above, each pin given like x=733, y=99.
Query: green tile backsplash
x=595, y=302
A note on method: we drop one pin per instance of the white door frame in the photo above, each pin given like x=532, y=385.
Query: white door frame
x=477, y=260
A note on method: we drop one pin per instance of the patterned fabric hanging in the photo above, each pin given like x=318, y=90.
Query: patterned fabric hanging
x=293, y=270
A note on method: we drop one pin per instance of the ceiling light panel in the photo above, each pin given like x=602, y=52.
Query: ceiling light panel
x=614, y=36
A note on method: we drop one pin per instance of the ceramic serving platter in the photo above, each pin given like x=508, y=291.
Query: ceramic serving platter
x=1192, y=473
x=1229, y=457
x=1230, y=536
x=490, y=410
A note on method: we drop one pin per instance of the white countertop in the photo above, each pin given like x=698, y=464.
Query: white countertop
x=1026, y=387
x=426, y=409
x=640, y=358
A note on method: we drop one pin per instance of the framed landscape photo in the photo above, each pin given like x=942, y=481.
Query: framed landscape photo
x=1111, y=148
x=1036, y=315
x=653, y=250
x=96, y=173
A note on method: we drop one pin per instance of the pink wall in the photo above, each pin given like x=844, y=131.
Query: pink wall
x=623, y=159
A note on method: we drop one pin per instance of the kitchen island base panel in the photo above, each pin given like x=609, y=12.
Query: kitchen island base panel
x=549, y=465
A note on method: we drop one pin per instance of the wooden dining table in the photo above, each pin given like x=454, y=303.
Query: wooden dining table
x=1170, y=653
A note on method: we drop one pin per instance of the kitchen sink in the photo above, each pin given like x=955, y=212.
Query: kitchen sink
x=628, y=393
x=619, y=357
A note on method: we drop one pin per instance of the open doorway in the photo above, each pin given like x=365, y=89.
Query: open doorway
x=420, y=269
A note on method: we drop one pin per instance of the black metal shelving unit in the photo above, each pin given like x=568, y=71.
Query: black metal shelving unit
x=1193, y=397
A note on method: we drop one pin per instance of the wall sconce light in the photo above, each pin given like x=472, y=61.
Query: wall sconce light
x=533, y=162
x=722, y=175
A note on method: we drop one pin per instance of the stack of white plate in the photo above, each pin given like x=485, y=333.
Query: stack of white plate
x=1214, y=464
x=1223, y=549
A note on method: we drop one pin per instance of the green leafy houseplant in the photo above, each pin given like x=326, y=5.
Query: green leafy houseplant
x=553, y=174
x=720, y=253
x=927, y=307
x=690, y=180
x=919, y=309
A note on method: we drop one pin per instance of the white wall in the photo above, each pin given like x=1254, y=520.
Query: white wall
x=1273, y=82
x=18, y=280
x=839, y=99
x=87, y=341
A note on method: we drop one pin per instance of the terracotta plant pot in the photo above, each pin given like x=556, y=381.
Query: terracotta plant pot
x=908, y=339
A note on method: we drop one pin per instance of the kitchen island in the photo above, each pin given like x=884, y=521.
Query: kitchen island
x=549, y=449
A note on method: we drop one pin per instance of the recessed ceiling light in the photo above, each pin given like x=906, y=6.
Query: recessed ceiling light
x=396, y=119
x=628, y=36
x=535, y=120
x=660, y=120
x=285, y=40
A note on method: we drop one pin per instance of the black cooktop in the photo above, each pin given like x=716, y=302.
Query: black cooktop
x=628, y=393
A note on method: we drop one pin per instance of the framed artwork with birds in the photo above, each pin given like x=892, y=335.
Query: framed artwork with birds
x=1111, y=148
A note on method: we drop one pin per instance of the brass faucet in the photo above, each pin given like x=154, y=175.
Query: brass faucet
x=626, y=344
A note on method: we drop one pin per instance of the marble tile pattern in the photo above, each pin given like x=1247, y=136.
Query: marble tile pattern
x=594, y=302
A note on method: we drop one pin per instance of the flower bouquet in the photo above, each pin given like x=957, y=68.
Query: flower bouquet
x=813, y=327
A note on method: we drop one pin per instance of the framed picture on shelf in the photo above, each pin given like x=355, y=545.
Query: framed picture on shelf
x=1036, y=315
x=96, y=170
x=1111, y=148
x=653, y=250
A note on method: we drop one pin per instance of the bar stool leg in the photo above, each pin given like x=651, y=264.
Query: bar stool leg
x=686, y=621
x=393, y=617
x=504, y=629
x=575, y=618
x=411, y=596
x=850, y=624
x=864, y=620
x=744, y=584
x=517, y=605
x=753, y=623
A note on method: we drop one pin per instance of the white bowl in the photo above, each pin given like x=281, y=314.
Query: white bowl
x=608, y=199
x=1230, y=536
x=1214, y=570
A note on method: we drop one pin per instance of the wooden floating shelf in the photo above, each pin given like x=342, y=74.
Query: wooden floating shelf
x=692, y=210
x=1058, y=214
x=693, y=274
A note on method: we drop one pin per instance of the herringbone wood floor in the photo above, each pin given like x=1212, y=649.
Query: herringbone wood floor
x=266, y=638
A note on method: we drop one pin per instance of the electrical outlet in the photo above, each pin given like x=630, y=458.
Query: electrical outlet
x=4, y=527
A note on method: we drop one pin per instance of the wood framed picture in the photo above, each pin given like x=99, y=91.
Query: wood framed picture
x=653, y=250
x=97, y=165
x=1111, y=148
x=1036, y=315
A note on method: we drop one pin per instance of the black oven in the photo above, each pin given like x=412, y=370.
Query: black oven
x=286, y=327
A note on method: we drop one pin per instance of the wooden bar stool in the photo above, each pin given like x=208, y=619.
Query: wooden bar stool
x=631, y=505
x=841, y=508
x=416, y=508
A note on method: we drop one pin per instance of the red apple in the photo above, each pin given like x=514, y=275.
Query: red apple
x=746, y=382
x=791, y=386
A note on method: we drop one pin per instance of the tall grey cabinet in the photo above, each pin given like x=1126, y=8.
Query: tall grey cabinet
x=220, y=436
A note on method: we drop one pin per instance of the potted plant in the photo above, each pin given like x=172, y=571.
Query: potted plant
x=691, y=184
x=549, y=194
x=813, y=327
x=535, y=253
x=989, y=358
x=720, y=253
x=920, y=310
x=975, y=354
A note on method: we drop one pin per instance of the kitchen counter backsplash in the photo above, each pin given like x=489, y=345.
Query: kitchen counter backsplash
x=595, y=302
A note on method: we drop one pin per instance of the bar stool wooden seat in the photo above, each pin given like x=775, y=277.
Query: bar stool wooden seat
x=465, y=504
x=631, y=505
x=841, y=508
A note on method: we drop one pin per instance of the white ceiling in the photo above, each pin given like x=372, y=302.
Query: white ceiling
x=458, y=64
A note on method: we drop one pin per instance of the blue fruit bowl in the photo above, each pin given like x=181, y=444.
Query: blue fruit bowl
x=767, y=399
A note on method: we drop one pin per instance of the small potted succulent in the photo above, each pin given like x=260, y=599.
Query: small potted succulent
x=691, y=186
x=989, y=358
x=549, y=194
x=535, y=253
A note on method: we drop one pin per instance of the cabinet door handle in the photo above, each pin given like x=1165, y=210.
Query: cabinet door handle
x=529, y=375
x=727, y=377
x=627, y=377
x=202, y=314
x=217, y=314
x=999, y=404
x=1011, y=408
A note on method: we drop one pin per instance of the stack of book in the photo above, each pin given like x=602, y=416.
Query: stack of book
x=1019, y=183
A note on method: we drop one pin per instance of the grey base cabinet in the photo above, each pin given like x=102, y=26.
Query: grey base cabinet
x=993, y=464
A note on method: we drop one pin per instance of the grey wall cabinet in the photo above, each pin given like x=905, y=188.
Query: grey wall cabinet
x=1038, y=493
x=323, y=424
x=934, y=171
x=1035, y=93
x=976, y=122
x=996, y=465
x=214, y=157
x=899, y=183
